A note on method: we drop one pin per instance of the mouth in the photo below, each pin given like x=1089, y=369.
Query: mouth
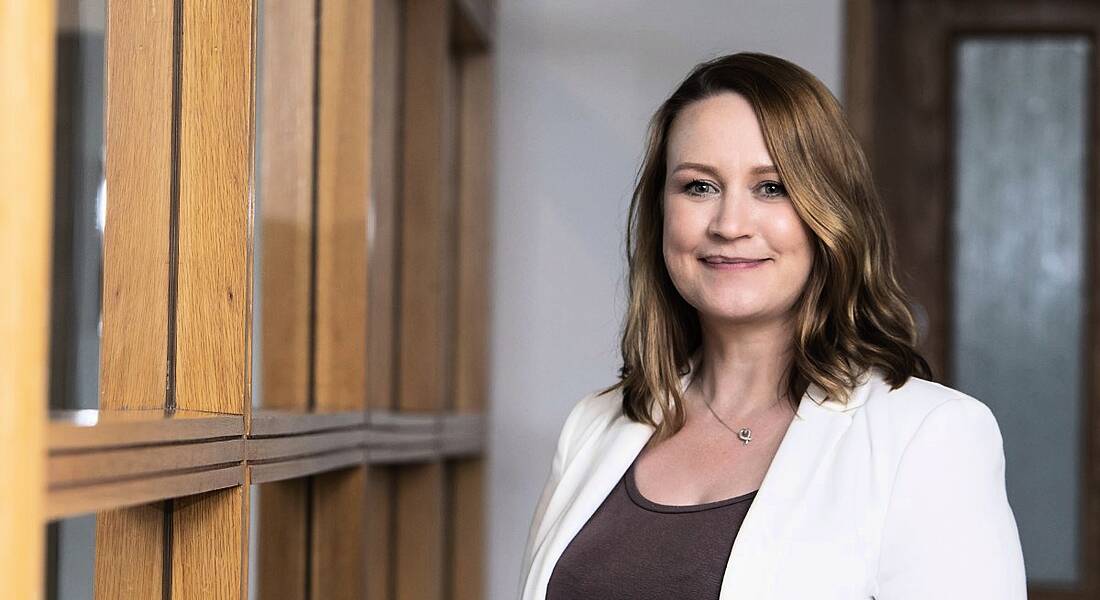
x=736, y=264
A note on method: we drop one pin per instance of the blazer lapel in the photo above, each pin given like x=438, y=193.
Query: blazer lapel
x=618, y=448
x=810, y=438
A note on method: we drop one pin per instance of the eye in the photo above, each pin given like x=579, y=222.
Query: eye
x=698, y=187
x=772, y=189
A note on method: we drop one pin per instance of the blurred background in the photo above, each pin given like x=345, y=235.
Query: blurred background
x=979, y=119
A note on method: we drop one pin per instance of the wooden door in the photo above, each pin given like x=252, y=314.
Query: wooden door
x=981, y=121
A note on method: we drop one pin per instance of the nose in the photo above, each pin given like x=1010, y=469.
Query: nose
x=732, y=217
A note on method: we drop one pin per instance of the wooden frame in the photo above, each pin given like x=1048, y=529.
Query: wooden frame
x=27, y=67
x=361, y=462
x=885, y=40
x=107, y=464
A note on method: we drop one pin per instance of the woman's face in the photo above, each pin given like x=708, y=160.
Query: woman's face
x=723, y=204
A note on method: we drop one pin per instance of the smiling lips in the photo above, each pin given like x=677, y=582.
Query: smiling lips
x=732, y=264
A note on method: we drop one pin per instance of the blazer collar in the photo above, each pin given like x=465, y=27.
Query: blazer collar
x=808, y=441
x=815, y=394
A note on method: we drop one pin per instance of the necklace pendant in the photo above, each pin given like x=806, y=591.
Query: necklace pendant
x=745, y=435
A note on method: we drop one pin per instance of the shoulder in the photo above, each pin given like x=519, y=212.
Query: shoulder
x=592, y=414
x=921, y=405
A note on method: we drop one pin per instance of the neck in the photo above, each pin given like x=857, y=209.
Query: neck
x=742, y=373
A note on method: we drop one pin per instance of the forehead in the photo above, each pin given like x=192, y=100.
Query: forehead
x=721, y=130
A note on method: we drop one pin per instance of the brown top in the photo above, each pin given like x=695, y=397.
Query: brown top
x=634, y=549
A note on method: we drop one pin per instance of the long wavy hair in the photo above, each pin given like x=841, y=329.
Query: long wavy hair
x=851, y=315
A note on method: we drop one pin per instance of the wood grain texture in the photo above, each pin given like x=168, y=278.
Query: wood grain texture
x=70, y=501
x=215, y=241
x=339, y=529
x=340, y=367
x=379, y=538
x=209, y=541
x=343, y=190
x=95, y=429
x=475, y=208
x=427, y=196
x=280, y=422
x=213, y=351
x=308, y=465
x=383, y=238
x=285, y=135
x=283, y=510
x=302, y=445
x=467, y=548
x=286, y=183
x=420, y=520
x=382, y=303
x=134, y=346
x=69, y=469
x=117, y=574
x=27, y=36
x=428, y=261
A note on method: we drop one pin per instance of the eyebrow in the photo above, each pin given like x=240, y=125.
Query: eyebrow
x=757, y=170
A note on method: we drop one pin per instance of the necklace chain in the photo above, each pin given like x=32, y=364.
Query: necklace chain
x=744, y=434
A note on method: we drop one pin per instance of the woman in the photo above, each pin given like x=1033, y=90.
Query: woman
x=774, y=433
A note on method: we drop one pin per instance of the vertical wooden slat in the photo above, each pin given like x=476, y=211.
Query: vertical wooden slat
x=472, y=344
x=384, y=208
x=213, y=310
x=419, y=521
x=343, y=188
x=285, y=136
x=129, y=552
x=208, y=545
x=27, y=67
x=209, y=531
x=475, y=209
x=379, y=526
x=423, y=327
x=339, y=534
x=284, y=539
x=384, y=244
x=343, y=177
x=426, y=179
x=468, y=526
x=134, y=346
x=136, y=236
x=286, y=199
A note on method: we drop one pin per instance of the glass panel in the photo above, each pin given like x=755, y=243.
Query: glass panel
x=79, y=205
x=1019, y=273
x=71, y=558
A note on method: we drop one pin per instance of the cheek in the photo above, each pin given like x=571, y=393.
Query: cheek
x=679, y=229
x=673, y=235
x=790, y=234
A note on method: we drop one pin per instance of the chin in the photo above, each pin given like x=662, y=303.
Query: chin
x=740, y=314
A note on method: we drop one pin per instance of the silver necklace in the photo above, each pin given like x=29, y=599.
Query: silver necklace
x=744, y=434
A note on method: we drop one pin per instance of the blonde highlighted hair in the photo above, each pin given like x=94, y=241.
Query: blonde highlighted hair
x=852, y=313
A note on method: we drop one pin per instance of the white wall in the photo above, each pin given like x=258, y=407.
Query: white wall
x=577, y=82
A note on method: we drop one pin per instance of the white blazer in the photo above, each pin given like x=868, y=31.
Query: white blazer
x=898, y=496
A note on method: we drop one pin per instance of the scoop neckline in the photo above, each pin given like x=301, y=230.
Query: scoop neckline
x=646, y=503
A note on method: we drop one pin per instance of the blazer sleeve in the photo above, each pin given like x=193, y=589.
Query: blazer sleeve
x=949, y=532
x=557, y=467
